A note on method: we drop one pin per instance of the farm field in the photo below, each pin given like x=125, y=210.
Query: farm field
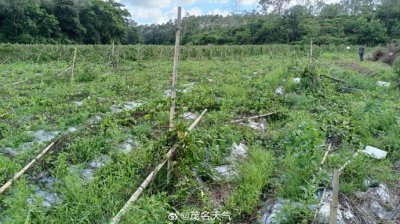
x=110, y=126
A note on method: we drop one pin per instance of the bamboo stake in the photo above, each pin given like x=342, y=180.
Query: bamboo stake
x=113, y=55
x=174, y=82
x=152, y=175
x=335, y=197
x=319, y=206
x=113, y=50
x=326, y=154
x=311, y=52
x=333, y=78
x=330, y=149
x=73, y=65
x=17, y=175
x=254, y=117
x=175, y=71
x=66, y=70
x=348, y=162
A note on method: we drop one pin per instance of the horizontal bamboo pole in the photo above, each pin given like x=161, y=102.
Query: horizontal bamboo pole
x=17, y=175
x=254, y=117
x=334, y=79
x=152, y=175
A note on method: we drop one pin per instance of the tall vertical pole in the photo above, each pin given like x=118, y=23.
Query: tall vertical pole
x=311, y=52
x=175, y=71
x=113, y=54
x=73, y=65
x=335, y=198
x=174, y=82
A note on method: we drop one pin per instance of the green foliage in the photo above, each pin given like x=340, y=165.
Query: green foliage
x=64, y=21
x=232, y=82
x=293, y=212
x=152, y=209
x=255, y=175
x=396, y=66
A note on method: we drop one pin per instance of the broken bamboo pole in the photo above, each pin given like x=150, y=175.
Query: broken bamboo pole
x=73, y=65
x=174, y=82
x=348, y=161
x=254, y=117
x=17, y=175
x=152, y=175
x=330, y=149
x=334, y=79
x=319, y=207
x=326, y=155
x=335, y=198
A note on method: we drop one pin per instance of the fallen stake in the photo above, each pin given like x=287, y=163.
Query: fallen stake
x=254, y=117
x=334, y=79
x=152, y=175
x=326, y=155
x=8, y=184
x=348, y=161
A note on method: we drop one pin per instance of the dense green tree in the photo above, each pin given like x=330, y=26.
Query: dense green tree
x=65, y=21
x=104, y=22
x=68, y=17
x=389, y=13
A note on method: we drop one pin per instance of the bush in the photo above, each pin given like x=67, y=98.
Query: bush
x=390, y=58
x=378, y=54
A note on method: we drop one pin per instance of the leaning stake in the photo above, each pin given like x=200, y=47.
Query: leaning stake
x=8, y=184
x=152, y=175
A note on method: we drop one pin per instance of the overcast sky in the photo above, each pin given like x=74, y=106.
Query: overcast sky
x=160, y=11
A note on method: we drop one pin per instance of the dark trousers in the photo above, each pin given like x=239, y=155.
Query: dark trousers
x=361, y=57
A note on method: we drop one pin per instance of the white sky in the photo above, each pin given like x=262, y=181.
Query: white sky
x=160, y=11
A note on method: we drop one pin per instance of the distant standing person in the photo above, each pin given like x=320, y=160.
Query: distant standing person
x=361, y=52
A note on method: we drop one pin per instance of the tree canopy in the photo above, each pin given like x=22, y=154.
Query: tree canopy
x=277, y=21
x=64, y=21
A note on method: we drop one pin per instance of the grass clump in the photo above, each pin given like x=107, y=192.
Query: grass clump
x=255, y=176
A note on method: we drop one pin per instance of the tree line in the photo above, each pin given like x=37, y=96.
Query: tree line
x=277, y=21
x=65, y=21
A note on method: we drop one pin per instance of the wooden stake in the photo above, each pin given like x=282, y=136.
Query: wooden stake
x=311, y=52
x=113, y=55
x=326, y=154
x=254, y=117
x=333, y=78
x=348, y=162
x=174, y=83
x=175, y=71
x=73, y=65
x=335, y=197
x=319, y=206
x=113, y=50
x=152, y=175
x=17, y=175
